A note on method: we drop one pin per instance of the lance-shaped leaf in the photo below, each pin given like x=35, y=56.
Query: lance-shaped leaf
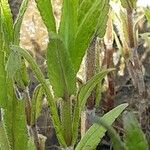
x=45, y=8
x=68, y=25
x=7, y=21
x=18, y=22
x=39, y=75
x=134, y=136
x=61, y=74
x=90, y=85
x=15, y=120
x=115, y=138
x=82, y=97
x=86, y=30
x=93, y=136
x=37, y=101
x=102, y=21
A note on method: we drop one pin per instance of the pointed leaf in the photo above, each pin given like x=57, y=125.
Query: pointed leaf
x=89, y=86
x=7, y=20
x=15, y=120
x=45, y=8
x=37, y=101
x=68, y=25
x=62, y=76
x=82, y=97
x=115, y=138
x=18, y=22
x=93, y=136
x=86, y=30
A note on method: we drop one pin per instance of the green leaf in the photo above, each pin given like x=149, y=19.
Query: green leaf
x=2, y=67
x=82, y=97
x=129, y=4
x=4, y=143
x=2, y=80
x=31, y=145
x=37, y=100
x=13, y=64
x=21, y=76
x=15, y=120
x=86, y=89
x=7, y=21
x=86, y=30
x=102, y=21
x=83, y=9
x=93, y=136
x=45, y=8
x=68, y=25
x=18, y=22
x=147, y=14
x=115, y=138
x=134, y=136
x=62, y=76
x=39, y=75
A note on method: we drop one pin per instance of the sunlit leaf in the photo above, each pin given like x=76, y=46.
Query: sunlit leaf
x=86, y=30
x=82, y=97
x=95, y=133
x=18, y=22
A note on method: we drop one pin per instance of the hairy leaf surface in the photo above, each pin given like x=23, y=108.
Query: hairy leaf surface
x=95, y=133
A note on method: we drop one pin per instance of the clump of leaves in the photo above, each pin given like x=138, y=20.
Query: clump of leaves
x=65, y=51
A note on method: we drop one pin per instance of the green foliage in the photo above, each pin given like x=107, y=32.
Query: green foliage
x=86, y=89
x=14, y=119
x=41, y=78
x=82, y=97
x=129, y=4
x=13, y=115
x=31, y=145
x=95, y=133
x=4, y=143
x=18, y=22
x=36, y=103
x=115, y=138
x=7, y=22
x=80, y=21
x=134, y=137
x=87, y=29
x=147, y=14
x=13, y=64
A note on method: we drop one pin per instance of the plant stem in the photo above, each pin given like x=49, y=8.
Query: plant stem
x=66, y=120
